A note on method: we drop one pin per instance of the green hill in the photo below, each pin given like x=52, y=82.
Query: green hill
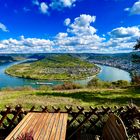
x=6, y=59
x=58, y=67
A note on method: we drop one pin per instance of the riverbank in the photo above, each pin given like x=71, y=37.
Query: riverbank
x=114, y=66
x=83, y=97
x=63, y=68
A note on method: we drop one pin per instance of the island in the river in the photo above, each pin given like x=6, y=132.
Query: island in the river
x=56, y=67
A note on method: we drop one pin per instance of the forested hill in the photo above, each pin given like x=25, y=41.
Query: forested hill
x=6, y=59
x=65, y=60
x=60, y=67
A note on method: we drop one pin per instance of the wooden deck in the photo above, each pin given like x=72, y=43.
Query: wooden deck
x=44, y=126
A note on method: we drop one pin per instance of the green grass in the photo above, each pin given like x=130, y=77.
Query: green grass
x=82, y=97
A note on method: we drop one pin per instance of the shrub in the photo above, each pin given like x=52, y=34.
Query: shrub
x=95, y=82
x=135, y=79
x=108, y=85
x=67, y=86
x=44, y=87
x=121, y=83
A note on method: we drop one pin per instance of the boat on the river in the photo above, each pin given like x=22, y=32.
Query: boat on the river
x=43, y=83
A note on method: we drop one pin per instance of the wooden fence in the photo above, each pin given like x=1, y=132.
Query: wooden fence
x=83, y=121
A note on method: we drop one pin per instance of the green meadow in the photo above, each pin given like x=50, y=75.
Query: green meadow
x=82, y=97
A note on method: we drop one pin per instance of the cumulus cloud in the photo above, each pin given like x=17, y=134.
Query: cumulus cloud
x=54, y=5
x=26, y=45
x=80, y=35
x=122, y=39
x=82, y=25
x=61, y=35
x=3, y=27
x=44, y=7
x=135, y=9
x=67, y=21
x=122, y=32
x=59, y=4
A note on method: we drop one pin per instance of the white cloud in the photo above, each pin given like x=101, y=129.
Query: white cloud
x=3, y=27
x=122, y=39
x=26, y=45
x=54, y=5
x=44, y=7
x=81, y=25
x=59, y=4
x=68, y=3
x=127, y=9
x=80, y=35
x=61, y=35
x=122, y=32
x=67, y=21
x=135, y=9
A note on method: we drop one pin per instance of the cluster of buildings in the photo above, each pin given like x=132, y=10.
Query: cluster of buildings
x=70, y=70
x=125, y=64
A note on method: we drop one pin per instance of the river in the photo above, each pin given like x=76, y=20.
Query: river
x=107, y=73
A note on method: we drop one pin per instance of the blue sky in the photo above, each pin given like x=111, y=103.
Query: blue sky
x=97, y=26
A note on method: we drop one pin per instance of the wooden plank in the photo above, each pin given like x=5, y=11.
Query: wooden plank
x=116, y=132
x=39, y=126
x=20, y=126
x=46, y=125
x=50, y=126
x=54, y=129
x=34, y=124
x=64, y=125
x=114, y=129
x=58, y=133
x=26, y=125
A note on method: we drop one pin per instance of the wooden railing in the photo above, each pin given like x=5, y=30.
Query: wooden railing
x=80, y=120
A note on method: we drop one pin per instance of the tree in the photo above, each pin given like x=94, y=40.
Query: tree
x=136, y=59
x=137, y=46
x=95, y=82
